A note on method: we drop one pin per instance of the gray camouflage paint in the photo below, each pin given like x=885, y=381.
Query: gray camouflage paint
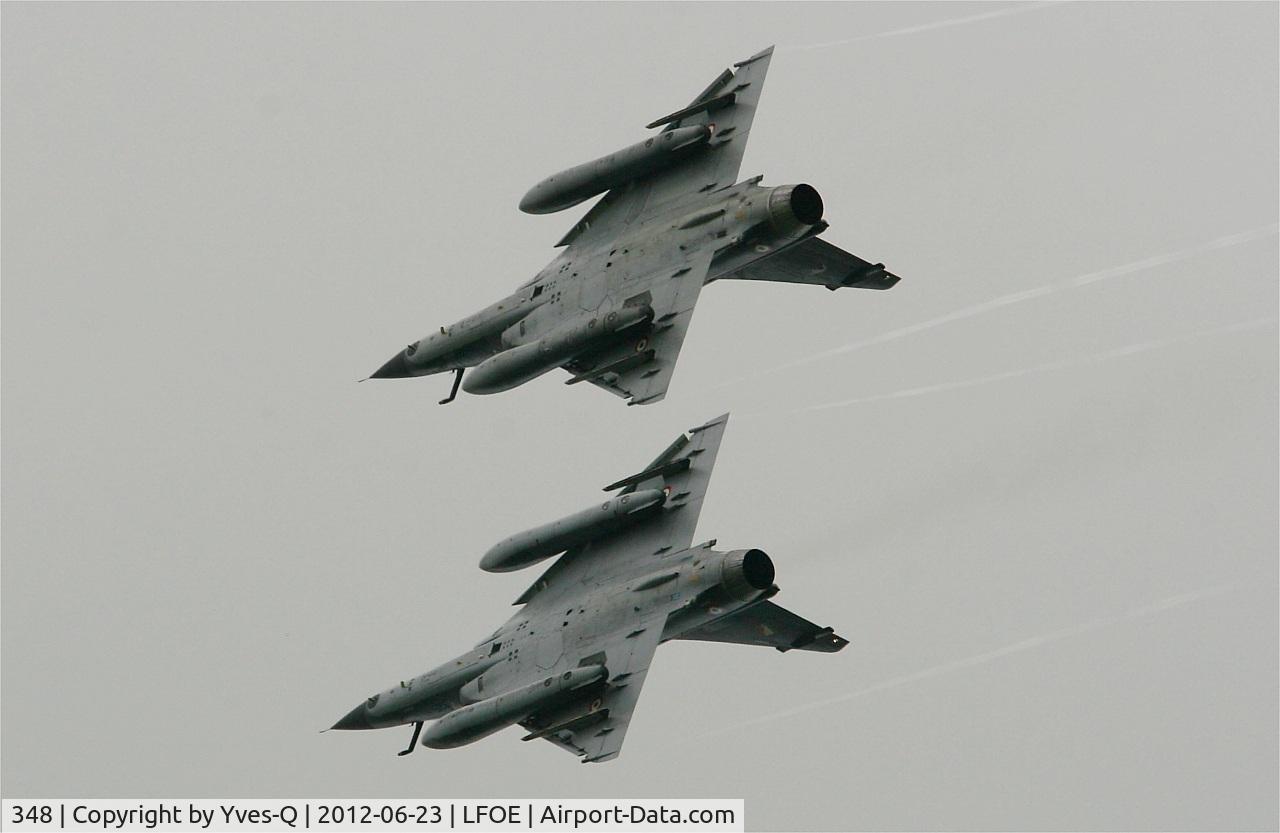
x=613, y=307
x=569, y=665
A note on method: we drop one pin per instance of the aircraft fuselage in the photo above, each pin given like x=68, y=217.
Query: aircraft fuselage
x=742, y=224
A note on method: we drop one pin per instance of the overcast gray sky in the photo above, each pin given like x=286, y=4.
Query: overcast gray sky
x=1035, y=484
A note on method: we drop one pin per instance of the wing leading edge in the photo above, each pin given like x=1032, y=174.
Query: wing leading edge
x=729, y=103
x=683, y=471
x=597, y=733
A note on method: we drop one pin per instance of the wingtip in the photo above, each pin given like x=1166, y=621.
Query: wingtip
x=720, y=420
x=763, y=53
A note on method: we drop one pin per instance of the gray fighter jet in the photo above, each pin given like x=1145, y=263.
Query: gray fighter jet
x=569, y=665
x=613, y=307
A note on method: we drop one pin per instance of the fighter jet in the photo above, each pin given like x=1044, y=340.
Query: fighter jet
x=569, y=665
x=613, y=307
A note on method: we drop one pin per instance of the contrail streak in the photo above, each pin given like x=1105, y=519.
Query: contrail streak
x=1118, y=352
x=926, y=27
x=1223, y=242
x=1152, y=609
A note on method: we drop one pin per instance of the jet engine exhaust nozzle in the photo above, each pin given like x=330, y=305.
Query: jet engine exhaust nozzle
x=795, y=205
x=745, y=573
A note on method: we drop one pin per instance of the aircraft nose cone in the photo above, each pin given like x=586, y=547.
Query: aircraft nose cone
x=397, y=368
x=357, y=718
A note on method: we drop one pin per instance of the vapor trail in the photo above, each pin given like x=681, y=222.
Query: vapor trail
x=939, y=24
x=1169, y=603
x=1118, y=352
x=1223, y=242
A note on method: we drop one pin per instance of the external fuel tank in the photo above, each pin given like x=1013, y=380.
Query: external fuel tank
x=471, y=723
x=581, y=182
x=541, y=542
x=515, y=366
